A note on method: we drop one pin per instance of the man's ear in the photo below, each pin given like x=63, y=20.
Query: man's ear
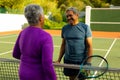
x=77, y=15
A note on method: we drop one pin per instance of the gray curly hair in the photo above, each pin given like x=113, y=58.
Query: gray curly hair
x=32, y=13
x=74, y=9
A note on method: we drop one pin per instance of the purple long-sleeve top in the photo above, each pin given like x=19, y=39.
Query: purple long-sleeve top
x=34, y=48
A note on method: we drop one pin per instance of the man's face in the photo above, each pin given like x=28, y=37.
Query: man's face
x=71, y=17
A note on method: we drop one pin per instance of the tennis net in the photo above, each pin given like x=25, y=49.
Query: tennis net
x=9, y=71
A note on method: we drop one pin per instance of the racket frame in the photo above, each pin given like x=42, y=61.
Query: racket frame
x=84, y=61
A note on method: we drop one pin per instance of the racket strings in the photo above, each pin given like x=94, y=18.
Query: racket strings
x=99, y=62
x=98, y=67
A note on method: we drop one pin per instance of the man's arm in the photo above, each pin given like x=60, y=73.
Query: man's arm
x=89, y=46
x=62, y=50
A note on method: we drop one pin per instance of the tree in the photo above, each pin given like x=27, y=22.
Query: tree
x=17, y=6
x=100, y=3
x=48, y=5
x=115, y=2
x=79, y=4
x=12, y=6
x=65, y=2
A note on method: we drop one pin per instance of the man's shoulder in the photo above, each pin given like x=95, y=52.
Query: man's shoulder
x=66, y=26
x=83, y=24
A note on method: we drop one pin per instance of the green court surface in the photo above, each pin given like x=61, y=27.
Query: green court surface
x=106, y=47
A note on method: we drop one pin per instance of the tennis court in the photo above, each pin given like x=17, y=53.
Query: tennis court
x=104, y=46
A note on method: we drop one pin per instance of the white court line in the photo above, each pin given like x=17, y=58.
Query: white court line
x=7, y=42
x=105, y=55
x=56, y=46
x=108, y=50
x=7, y=36
x=100, y=49
x=6, y=52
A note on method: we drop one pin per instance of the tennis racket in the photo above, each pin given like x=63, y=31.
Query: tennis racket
x=92, y=67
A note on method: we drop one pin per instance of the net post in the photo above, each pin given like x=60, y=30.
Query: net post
x=87, y=15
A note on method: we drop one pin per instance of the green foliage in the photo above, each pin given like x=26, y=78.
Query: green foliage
x=57, y=17
x=82, y=19
x=12, y=6
x=25, y=25
x=88, y=3
x=100, y=3
x=62, y=4
x=48, y=6
x=105, y=5
x=65, y=2
x=64, y=17
x=2, y=10
x=53, y=25
x=116, y=2
x=48, y=25
x=17, y=6
x=79, y=4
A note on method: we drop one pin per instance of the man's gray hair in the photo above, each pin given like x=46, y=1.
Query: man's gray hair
x=74, y=9
x=32, y=13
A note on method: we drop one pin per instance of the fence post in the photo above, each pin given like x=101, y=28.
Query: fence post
x=87, y=15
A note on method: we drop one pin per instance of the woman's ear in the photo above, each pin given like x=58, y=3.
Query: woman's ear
x=40, y=18
x=41, y=21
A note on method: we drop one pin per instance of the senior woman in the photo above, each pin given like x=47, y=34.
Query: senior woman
x=34, y=47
